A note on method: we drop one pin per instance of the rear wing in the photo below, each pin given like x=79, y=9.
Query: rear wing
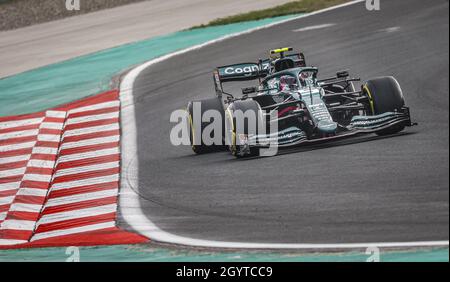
x=240, y=72
x=251, y=71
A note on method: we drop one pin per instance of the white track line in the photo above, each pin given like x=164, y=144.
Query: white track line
x=9, y=186
x=92, y=118
x=77, y=214
x=75, y=230
x=85, y=182
x=25, y=225
x=14, y=159
x=17, y=146
x=52, y=125
x=95, y=107
x=12, y=172
x=6, y=201
x=18, y=123
x=18, y=134
x=88, y=155
x=54, y=202
x=49, y=137
x=88, y=142
x=20, y=207
x=37, y=177
x=7, y=242
x=32, y=192
x=85, y=169
x=45, y=150
x=41, y=163
x=93, y=129
x=314, y=27
x=129, y=200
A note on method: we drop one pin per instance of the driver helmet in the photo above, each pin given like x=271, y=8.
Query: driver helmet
x=304, y=76
x=287, y=82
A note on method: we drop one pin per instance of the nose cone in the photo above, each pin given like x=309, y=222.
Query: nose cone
x=326, y=126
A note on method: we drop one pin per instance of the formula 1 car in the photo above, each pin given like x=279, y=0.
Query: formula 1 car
x=303, y=108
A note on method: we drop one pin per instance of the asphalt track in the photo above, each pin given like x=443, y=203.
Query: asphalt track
x=360, y=190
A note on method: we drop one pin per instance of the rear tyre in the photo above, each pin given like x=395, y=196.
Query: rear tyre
x=199, y=147
x=245, y=106
x=385, y=95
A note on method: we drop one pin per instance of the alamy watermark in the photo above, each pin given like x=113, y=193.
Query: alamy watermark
x=240, y=128
x=73, y=5
x=373, y=254
x=373, y=5
x=73, y=254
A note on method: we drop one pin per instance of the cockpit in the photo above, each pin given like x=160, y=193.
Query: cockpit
x=291, y=81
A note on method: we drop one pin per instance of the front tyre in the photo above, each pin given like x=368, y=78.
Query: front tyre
x=239, y=130
x=385, y=95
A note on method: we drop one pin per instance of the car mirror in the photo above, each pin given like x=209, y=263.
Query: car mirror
x=342, y=74
x=248, y=90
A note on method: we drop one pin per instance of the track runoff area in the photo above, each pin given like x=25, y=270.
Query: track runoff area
x=62, y=168
x=165, y=195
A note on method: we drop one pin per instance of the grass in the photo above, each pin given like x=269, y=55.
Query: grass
x=295, y=7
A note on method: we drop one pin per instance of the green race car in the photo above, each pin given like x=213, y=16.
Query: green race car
x=292, y=106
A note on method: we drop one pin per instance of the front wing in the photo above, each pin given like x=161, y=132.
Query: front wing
x=294, y=136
